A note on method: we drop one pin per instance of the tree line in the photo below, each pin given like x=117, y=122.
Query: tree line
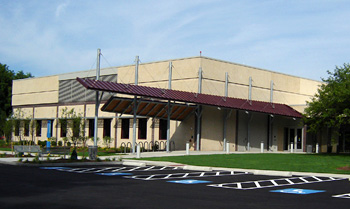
x=6, y=78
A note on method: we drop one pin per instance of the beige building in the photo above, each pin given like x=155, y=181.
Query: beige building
x=245, y=127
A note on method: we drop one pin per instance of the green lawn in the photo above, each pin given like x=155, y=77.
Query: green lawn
x=319, y=163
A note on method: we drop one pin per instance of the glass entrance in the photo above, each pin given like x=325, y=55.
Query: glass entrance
x=293, y=137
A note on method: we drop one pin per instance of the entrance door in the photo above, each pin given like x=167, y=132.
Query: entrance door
x=293, y=137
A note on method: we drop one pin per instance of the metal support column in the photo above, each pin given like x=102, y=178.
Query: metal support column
x=97, y=96
x=199, y=109
x=169, y=112
x=225, y=115
x=250, y=116
x=250, y=90
x=168, y=128
x=135, y=107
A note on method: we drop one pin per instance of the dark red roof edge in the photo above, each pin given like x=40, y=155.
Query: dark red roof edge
x=190, y=97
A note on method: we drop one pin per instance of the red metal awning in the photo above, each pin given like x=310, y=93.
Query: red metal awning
x=149, y=108
x=190, y=97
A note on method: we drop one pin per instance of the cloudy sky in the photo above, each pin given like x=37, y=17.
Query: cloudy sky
x=300, y=37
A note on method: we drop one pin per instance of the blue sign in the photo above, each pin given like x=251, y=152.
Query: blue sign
x=114, y=174
x=53, y=168
x=189, y=181
x=297, y=191
x=49, y=129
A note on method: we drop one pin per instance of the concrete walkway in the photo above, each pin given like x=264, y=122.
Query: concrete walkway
x=131, y=160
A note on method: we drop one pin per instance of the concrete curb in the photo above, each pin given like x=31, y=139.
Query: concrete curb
x=134, y=163
x=197, y=168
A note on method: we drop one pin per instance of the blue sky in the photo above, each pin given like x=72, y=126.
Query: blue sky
x=300, y=37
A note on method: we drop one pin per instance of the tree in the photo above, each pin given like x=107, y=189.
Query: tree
x=6, y=78
x=330, y=107
x=74, y=122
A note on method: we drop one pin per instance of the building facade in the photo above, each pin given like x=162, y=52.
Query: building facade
x=43, y=101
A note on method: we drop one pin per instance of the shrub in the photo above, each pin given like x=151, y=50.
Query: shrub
x=53, y=143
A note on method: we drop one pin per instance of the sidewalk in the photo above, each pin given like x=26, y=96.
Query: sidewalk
x=131, y=160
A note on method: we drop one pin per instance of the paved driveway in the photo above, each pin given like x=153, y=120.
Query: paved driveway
x=117, y=186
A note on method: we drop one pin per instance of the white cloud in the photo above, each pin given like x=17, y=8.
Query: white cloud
x=61, y=9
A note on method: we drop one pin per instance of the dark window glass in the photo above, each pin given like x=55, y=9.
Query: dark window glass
x=26, y=127
x=38, y=127
x=91, y=127
x=162, y=128
x=142, y=128
x=63, y=128
x=125, y=128
x=107, y=127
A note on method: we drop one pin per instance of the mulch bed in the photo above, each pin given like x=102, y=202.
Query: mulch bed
x=345, y=168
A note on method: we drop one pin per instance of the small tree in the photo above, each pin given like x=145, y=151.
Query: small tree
x=73, y=121
x=107, y=141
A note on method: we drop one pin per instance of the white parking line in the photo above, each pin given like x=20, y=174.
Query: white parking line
x=184, y=175
x=274, y=182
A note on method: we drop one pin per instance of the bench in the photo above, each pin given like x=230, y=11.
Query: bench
x=37, y=149
x=56, y=150
x=27, y=148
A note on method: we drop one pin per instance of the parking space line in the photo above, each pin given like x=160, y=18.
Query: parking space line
x=303, y=179
x=289, y=181
x=149, y=168
x=184, y=175
x=274, y=182
x=316, y=178
x=114, y=169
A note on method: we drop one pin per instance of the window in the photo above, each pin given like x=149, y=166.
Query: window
x=142, y=128
x=26, y=127
x=64, y=128
x=17, y=123
x=163, y=125
x=107, y=127
x=91, y=127
x=38, y=127
x=125, y=128
x=76, y=128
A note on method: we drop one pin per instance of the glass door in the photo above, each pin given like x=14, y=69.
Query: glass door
x=293, y=137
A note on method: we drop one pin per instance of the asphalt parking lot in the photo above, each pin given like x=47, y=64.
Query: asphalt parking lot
x=118, y=186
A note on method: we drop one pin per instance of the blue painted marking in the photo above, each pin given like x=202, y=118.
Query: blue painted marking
x=53, y=168
x=297, y=191
x=189, y=181
x=114, y=174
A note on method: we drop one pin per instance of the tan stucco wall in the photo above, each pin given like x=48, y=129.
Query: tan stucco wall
x=287, y=89
x=43, y=90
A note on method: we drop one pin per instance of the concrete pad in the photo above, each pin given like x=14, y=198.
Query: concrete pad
x=197, y=168
x=134, y=163
x=272, y=173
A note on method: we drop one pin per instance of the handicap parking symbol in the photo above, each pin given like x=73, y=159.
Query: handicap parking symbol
x=114, y=174
x=189, y=181
x=297, y=191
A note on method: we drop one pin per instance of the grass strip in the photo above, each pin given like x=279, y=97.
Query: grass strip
x=318, y=163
